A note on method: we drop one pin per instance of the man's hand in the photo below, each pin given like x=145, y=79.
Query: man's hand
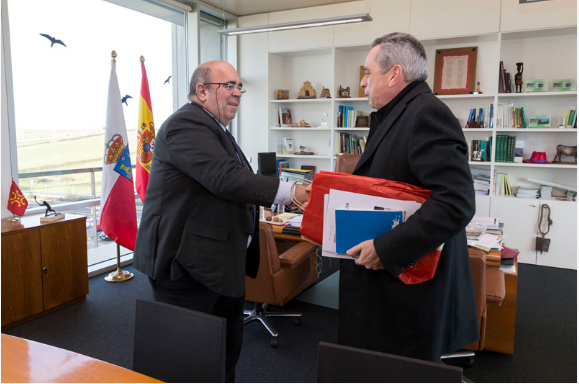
x=302, y=193
x=368, y=256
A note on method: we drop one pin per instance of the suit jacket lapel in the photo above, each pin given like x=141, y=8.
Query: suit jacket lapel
x=388, y=122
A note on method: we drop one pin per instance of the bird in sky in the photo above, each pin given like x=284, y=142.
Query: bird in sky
x=52, y=40
x=167, y=81
x=124, y=99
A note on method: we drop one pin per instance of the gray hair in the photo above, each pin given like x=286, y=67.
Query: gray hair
x=405, y=50
x=201, y=75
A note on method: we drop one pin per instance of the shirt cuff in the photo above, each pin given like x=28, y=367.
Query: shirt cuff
x=283, y=195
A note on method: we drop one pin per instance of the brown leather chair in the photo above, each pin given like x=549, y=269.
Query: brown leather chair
x=279, y=279
x=489, y=289
x=346, y=163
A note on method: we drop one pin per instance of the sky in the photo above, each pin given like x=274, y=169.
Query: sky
x=66, y=87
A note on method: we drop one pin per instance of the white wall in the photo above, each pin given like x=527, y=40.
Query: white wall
x=252, y=66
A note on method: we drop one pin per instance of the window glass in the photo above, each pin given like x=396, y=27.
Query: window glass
x=212, y=44
x=60, y=90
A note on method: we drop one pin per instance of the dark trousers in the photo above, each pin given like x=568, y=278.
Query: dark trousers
x=189, y=293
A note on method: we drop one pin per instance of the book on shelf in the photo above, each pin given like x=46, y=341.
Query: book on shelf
x=349, y=144
x=502, y=184
x=519, y=149
x=288, y=146
x=571, y=118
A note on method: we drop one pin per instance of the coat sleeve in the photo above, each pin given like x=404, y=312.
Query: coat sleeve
x=197, y=151
x=437, y=159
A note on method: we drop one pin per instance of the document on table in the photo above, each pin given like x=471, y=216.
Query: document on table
x=347, y=200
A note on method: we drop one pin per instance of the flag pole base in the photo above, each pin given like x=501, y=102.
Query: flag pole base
x=118, y=276
x=13, y=219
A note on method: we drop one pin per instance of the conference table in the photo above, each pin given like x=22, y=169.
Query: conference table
x=26, y=361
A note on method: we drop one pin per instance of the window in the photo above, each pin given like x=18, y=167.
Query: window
x=60, y=90
x=212, y=44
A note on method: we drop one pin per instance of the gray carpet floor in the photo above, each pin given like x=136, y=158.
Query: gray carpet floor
x=102, y=327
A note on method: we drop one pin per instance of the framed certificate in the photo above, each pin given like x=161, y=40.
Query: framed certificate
x=455, y=71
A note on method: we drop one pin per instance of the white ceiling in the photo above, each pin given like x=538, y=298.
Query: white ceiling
x=252, y=7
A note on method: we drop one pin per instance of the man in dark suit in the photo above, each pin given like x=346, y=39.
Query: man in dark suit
x=198, y=234
x=414, y=138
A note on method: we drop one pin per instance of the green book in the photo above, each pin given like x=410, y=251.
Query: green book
x=523, y=116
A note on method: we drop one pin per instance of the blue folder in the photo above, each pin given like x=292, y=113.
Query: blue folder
x=354, y=227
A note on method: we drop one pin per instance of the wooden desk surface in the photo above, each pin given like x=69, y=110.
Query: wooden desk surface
x=31, y=222
x=25, y=361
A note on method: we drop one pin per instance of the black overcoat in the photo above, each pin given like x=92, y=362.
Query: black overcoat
x=197, y=213
x=419, y=142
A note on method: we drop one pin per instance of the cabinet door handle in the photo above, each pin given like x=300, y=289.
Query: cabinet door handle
x=534, y=205
x=45, y=270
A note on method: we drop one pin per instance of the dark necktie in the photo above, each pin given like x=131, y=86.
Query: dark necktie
x=247, y=166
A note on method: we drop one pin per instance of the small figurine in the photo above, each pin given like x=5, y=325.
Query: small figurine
x=302, y=123
x=344, y=92
x=49, y=210
x=325, y=93
x=477, y=92
x=307, y=91
x=519, y=78
x=324, y=122
x=565, y=150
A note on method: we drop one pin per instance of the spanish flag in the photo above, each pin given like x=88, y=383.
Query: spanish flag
x=145, y=136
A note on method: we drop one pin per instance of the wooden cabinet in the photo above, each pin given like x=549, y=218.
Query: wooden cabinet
x=44, y=266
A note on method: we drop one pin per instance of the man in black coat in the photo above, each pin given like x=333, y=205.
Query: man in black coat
x=414, y=138
x=198, y=234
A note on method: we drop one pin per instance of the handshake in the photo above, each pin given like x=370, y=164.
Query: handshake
x=301, y=195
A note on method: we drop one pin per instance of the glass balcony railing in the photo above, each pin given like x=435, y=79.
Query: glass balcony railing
x=75, y=191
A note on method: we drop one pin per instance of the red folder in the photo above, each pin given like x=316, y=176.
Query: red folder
x=313, y=220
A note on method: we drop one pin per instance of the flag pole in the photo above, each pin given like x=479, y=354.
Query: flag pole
x=119, y=275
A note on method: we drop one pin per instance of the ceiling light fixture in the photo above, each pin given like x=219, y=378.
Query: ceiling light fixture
x=336, y=20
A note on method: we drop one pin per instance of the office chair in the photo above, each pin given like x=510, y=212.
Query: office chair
x=279, y=279
x=489, y=289
x=346, y=163
x=178, y=345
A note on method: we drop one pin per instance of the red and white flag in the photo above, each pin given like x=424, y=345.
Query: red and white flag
x=118, y=210
x=17, y=203
x=145, y=137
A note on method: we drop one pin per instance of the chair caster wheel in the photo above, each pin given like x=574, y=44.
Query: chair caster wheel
x=298, y=321
x=274, y=342
x=468, y=362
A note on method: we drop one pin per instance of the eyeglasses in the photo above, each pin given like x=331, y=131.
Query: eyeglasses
x=229, y=86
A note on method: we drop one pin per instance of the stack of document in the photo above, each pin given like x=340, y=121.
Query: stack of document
x=348, y=229
x=291, y=175
x=482, y=181
x=527, y=193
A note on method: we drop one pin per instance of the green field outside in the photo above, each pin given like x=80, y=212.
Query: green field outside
x=62, y=154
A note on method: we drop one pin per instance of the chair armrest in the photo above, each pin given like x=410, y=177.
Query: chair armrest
x=296, y=254
x=496, y=291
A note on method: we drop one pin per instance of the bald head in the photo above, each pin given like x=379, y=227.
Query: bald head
x=206, y=89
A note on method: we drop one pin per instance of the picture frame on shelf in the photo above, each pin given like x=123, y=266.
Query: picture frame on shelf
x=538, y=85
x=362, y=121
x=282, y=94
x=449, y=76
x=564, y=85
x=284, y=117
x=360, y=89
x=540, y=121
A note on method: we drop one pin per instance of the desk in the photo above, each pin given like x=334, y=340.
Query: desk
x=25, y=361
x=500, y=328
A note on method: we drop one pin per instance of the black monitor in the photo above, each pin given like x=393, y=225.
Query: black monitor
x=340, y=364
x=267, y=164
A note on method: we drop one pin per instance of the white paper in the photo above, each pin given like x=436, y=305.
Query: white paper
x=487, y=222
x=348, y=200
x=455, y=72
